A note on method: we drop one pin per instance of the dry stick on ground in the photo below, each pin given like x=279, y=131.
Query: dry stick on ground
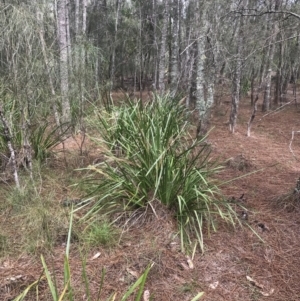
x=254, y=113
x=7, y=136
x=290, y=146
x=252, y=116
x=271, y=112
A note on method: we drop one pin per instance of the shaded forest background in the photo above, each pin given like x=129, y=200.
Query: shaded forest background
x=58, y=57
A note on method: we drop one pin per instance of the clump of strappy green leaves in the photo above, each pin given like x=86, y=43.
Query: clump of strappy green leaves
x=148, y=154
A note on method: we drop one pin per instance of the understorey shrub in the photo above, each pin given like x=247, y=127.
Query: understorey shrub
x=149, y=155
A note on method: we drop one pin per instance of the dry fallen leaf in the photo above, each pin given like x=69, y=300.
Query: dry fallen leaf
x=15, y=278
x=190, y=262
x=133, y=273
x=269, y=293
x=96, y=255
x=214, y=285
x=185, y=267
x=180, y=280
x=254, y=282
x=146, y=295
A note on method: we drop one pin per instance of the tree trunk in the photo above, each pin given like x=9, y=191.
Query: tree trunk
x=204, y=88
x=278, y=86
x=235, y=99
x=77, y=36
x=269, y=62
x=141, y=53
x=174, y=49
x=162, y=54
x=114, y=46
x=192, y=52
x=155, y=46
x=82, y=62
x=63, y=60
x=252, y=86
x=69, y=42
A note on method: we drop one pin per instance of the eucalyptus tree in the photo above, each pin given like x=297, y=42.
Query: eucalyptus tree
x=174, y=49
x=118, y=5
x=271, y=23
x=63, y=25
x=204, y=80
x=162, y=51
x=235, y=99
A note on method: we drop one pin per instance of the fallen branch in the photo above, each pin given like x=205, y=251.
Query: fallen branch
x=290, y=146
x=271, y=112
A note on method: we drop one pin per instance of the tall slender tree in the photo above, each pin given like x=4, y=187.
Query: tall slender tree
x=63, y=59
x=163, y=43
x=174, y=55
x=235, y=99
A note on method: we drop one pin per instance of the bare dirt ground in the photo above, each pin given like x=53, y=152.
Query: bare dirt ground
x=258, y=261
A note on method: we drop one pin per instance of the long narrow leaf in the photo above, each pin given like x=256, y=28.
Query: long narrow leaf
x=140, y=281
x=28, y=288
x=52, y=287
x=198, y=296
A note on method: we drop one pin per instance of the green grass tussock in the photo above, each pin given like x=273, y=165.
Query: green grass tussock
x=148, y=154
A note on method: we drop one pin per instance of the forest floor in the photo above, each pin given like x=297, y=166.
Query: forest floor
x=259, y=260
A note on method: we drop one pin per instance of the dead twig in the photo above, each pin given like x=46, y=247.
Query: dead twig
x=271, y=112
x=291, y=142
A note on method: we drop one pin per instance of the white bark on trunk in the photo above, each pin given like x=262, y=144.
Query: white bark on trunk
x=82, y=62
x=204, y=99
x=191, y=65
x=155, y=46
x=77, y=37
x=273, y=27
x=162, y=54
x=63, y=59
x=77, y=3
x=84, y=6
x=175, y=49
x=266, y=102
x=235, y=99
x=113, y=55
x=70, y=61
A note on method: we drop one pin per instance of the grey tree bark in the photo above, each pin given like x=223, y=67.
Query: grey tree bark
x=270, y=55
x=113, y=54
x=63, y=59
x=174, y=76
x=235, y=99
x=204, y=81
x=162, y=53
x=69, y=42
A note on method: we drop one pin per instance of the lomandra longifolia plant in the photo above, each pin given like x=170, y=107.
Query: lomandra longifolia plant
x=149, y=154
